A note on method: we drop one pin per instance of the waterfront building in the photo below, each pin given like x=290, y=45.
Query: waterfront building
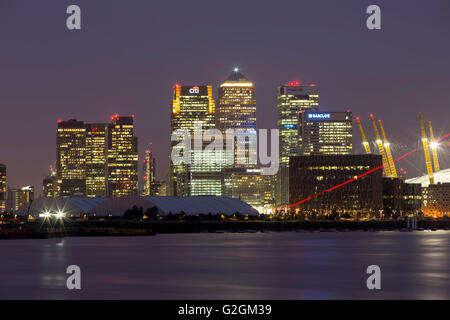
x=436, y=200
x=191, y=106
x=250, y=186
x=122, y=157
x=293, y=99
x=71, y=157
x=2, y=188
x=321, y=183
x=401, y=198
x=18, y=197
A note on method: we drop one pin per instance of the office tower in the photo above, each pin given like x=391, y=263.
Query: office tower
x=50, y=185
x=2, y=188
x=190, y=105
x=293, y=99
x=237, y=111
x=19, y=197
x=71, y=157
x=149, y=173
x=325, y=133
x=311, y=175
x=96, y=159
x=122, y=157
x=248, y=185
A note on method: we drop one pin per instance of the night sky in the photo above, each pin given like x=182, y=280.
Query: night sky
x=130, y=53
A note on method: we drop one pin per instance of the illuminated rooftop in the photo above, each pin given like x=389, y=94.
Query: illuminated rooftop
x=442, y=176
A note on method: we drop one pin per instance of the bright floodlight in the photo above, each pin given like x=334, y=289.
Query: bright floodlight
x=60, y=214
x=236, y=69
x=434, y=145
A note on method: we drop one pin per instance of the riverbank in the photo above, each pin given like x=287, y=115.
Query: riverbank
x=98, y=228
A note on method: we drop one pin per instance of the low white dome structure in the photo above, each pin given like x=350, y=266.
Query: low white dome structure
x=202, y=205
x=116, y=207
x=68, y=207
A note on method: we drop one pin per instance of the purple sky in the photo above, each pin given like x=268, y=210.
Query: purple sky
x=130, y=53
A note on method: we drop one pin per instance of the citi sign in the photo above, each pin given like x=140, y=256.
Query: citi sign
x=194, y=90
x=319, y=116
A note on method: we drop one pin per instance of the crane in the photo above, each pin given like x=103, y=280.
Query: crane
x=387, y=171
x=388, y=152
x=434, y=146
x=364, y=139
x=426, y=150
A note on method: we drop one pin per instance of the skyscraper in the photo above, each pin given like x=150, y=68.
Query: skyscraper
x=96, y=152
x=71, y=157
x=237, y=111
x=2, y=188
x=122, y=157
x=326, y=133
x=293, y=99
x=149, y=173
x=190, y=105
x=95, y=159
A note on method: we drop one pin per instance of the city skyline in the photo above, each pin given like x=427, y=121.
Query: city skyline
x=375, y=78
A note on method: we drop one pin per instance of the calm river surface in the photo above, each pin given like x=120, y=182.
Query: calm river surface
x=284, y=265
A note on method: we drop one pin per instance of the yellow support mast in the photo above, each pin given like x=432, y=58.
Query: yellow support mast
x=364, y=139
x=426, y=150
x=388, y=151
x=379, y=142
x=434, y=146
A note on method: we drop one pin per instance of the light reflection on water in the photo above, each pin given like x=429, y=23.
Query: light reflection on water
x=285, y=265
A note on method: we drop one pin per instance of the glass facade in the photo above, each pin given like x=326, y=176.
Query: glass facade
x=191, y=106
x=293, y=99
x=237, y=111
x=325, y=133
x=96, y=160
x=71, y=157
x=122, y=158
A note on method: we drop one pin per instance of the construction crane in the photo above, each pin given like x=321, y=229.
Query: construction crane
x=434, y=146
x=379, y=142
x=426, y=150
x=387, y=148
x=364, y=139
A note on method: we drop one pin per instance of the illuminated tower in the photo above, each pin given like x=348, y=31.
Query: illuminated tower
x=96, y=160
x=237, y=111
x=191, y=105
x=149, y=173
x=326, y=133
x=293, y=98
x=71, y=157
x=122, y=157
x=2, y=188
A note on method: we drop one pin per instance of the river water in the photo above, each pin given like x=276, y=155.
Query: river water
x=278, y=265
